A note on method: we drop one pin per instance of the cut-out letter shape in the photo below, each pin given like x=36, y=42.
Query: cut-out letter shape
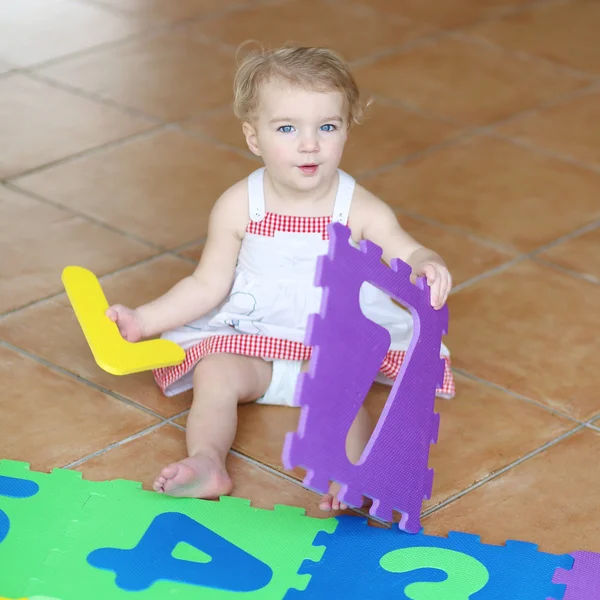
x=348, y=350
x=466, y=575
x=112, y=353
x=152, y=560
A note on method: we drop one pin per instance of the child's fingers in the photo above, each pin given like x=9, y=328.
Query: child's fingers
x=436, y=293
x=430, y=272
x=445, y=289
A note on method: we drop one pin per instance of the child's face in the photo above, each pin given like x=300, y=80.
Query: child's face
x=300, y=134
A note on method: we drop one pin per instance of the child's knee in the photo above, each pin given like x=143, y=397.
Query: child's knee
x=246, y=377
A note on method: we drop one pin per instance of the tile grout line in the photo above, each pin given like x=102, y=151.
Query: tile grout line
x=470, y=37
x=501, y=471
x=566, y=158
x=471, y=131
x=554, y=101
x=84, y=154
x=582, y=276
x=149, y=33
x=289, y=479
x=57, y=295
x=487, y=274
x=154, y=29
x=79, y=379
x=454, y=229
x=93, y=97
x=516, y=395
x=533, y=256
x=114, y=445
x=461, y=32
x=15, y=187
x=122, y=269
x=195, y=134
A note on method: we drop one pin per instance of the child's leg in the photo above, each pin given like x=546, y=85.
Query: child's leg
x=358, y=436
x=221, y=381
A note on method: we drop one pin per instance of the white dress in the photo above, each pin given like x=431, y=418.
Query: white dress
x=273, y=294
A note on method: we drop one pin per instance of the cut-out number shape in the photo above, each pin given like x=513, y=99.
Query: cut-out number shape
x=466, y=575
x=112, y=353
x=152, y=560
x=348, y=350
x=14, y=487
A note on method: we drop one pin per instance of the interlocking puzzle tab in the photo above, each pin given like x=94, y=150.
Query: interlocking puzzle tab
x=348, y=350
x=583, y=580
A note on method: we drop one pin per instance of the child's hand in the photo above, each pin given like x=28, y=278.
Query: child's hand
x=127, y=321
x=438, y=279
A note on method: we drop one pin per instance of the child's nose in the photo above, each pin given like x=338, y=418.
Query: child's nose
x=309, y=143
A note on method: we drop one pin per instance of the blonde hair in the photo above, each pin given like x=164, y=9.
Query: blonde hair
x=316, y=69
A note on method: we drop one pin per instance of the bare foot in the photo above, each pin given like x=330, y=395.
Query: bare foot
x=195, y=477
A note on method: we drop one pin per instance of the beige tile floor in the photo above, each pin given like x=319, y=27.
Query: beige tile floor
x=116, y=137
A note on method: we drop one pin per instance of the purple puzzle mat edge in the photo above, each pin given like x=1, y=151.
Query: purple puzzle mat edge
x=348, y=350
x=583, y=580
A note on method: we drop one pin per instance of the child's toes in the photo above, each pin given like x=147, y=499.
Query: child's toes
x=326, y=502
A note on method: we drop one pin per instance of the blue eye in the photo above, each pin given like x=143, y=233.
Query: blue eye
x=285, y=129
x=328, y=127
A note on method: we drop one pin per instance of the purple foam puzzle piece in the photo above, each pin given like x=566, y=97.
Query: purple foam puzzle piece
x=583, y=580
x=348, y=350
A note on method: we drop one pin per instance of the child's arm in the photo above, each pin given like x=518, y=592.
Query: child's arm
x=372, y=219
x=197, y=294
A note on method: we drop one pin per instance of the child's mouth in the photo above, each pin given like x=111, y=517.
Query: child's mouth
x=309, y=169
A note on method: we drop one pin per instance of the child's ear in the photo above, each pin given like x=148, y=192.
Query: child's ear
x=251, y=139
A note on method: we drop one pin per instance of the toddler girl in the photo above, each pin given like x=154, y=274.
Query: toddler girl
x=241, y=316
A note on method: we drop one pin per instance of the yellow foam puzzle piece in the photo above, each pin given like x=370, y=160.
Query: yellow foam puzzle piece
x=110, y=350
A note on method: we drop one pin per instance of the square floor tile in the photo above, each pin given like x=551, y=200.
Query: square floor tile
x=169, y=11
x=571, y=128
x=50, y=420
x=160, y=187
x=143, y=458
x=42, y=240
x=467, y=81
x=533, y=330
x=388, y=134
x=550, y=500
x=495, y=190
x=445, y=14
x=578, y=254
x=32, y=31
x=564, y=32
x=168, y=75
x=40, y=124
x=482, y=430
x=348, y=28
x=50, y=330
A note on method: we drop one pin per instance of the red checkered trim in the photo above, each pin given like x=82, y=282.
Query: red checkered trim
x=273, y=222
x=268, y=347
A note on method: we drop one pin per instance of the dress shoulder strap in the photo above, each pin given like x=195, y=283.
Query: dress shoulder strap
x=343, y=198
x=256, y=195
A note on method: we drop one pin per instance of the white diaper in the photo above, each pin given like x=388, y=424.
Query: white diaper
x=282, y=389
